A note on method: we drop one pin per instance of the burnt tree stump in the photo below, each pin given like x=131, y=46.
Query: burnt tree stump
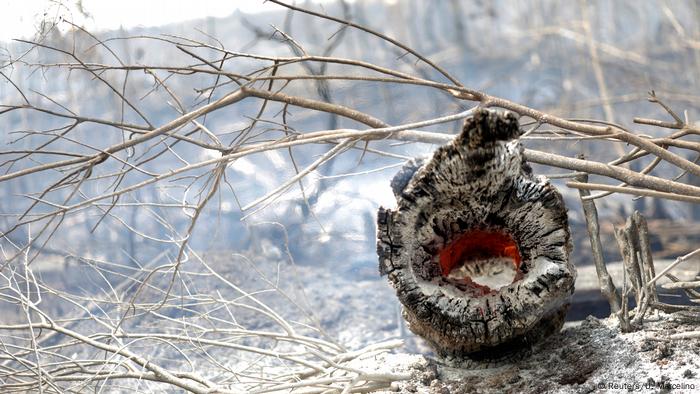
x=477, y=247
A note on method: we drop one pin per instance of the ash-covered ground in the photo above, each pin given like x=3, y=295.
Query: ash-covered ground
x=361, y=308
x=586, y=356
x=591, y=356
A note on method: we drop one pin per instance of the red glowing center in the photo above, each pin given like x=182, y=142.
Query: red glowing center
x=477, y=245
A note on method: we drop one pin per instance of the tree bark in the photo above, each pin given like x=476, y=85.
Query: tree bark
x=477, y=184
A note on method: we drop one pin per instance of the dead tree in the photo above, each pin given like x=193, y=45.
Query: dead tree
x=478, y=248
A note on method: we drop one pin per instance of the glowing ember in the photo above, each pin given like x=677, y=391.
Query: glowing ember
x=478, y=245
x=502, y=280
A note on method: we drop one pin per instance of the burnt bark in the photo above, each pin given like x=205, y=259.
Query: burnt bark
x=478, y=182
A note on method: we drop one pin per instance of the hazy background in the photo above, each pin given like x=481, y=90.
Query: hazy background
x=537, y=53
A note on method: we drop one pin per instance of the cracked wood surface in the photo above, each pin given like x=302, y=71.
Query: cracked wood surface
x=479, y=181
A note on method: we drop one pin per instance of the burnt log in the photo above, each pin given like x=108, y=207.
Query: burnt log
x=477, y=247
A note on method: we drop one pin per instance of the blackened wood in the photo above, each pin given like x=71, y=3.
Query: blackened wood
x=478, y=181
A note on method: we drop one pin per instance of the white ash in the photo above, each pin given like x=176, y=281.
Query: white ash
x=493, y=273
x=590, y=356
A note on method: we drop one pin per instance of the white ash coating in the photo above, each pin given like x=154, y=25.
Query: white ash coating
x=479, y=181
